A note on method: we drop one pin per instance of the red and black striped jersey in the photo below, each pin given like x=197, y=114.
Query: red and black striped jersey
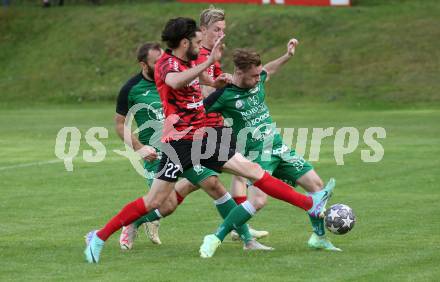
x=186, y=103
x=214, y=70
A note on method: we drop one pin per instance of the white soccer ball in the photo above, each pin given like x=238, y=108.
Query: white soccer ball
x=339, y=219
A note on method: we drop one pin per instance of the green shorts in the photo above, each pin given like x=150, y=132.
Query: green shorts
x=284, y=164
x=195, y=175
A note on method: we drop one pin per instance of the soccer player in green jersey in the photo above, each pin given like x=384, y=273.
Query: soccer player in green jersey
x=140, y=93
x=243, y=101
x=213, y=26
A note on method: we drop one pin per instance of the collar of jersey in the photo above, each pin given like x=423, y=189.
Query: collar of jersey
x=170, y=53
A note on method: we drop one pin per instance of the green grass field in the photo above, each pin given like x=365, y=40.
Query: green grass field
x=46, y=210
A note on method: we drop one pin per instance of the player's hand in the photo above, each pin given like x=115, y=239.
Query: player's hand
x=291, y=46
x=222, y=80
x=217, y=50
x=148, y=153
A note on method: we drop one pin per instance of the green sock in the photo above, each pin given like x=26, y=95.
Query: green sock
x=237, y=217
x=224, y=208
x=149, y=217
x=318, y=225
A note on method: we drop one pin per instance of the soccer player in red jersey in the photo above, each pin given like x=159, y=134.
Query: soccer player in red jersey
x=185, y=143
x=212, y=26
x=140, y=93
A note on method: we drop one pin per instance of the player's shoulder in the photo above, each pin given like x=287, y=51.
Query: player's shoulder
x=227, y=93
x=168, y=62
x=133, y=81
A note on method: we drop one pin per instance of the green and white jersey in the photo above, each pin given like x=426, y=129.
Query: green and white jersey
x=140, y=95
x=247, y=110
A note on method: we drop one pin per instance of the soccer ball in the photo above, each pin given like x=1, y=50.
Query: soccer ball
x=339, y=219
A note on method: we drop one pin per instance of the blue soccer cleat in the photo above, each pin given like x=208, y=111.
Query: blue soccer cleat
x=321, y=198
x=94, y=247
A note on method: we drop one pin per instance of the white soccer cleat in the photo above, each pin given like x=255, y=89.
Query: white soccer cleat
x=152, y=231
x=256, y=234
x=209, y=246
x=127, y=237
x=254, y=245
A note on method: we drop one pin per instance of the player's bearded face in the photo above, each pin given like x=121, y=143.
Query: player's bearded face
x=194, y=46
x=153, y=56
x=150, y=70
x=193, y=52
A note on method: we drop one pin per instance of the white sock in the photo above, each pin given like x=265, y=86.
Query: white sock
x=249, y=208
x=223, y=199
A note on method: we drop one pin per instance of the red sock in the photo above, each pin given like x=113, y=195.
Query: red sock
x=127, y=215
x=282, y=191
x=179, y=197
x=240, y=199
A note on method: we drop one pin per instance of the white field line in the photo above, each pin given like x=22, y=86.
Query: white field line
x=48, y=162
x=31, y=164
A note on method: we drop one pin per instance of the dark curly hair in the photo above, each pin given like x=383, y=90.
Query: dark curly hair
x=177, y=29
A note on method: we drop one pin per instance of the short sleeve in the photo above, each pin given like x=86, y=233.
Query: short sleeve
x=122, y=101
x=167, y=66
x=263, y=76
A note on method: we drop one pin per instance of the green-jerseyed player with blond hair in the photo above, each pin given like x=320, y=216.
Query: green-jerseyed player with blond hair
x=243, y=103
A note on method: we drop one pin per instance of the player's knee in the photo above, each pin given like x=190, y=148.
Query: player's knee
x=169, y=207
x=153, y=204
x=213, y=187
x=213, y=183
x=259, y=202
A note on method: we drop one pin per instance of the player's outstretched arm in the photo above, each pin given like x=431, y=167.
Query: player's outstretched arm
x=147, y=152
x=273, y=66
x=177, y=80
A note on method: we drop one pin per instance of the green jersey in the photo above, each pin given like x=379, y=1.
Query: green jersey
x=141, y=97
x=248, y=112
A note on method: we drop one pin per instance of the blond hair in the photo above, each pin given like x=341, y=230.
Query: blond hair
x=211, y=15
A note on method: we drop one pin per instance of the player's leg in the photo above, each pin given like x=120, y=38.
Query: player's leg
x=274, y=187
x=294, y=170
x=256, y=201
x=239, y=189
x=129, y=213
x=270, y=185
x=208, y=180
x=239, y=194
x=312, y=183
x=150, y=221
x=162, y=187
